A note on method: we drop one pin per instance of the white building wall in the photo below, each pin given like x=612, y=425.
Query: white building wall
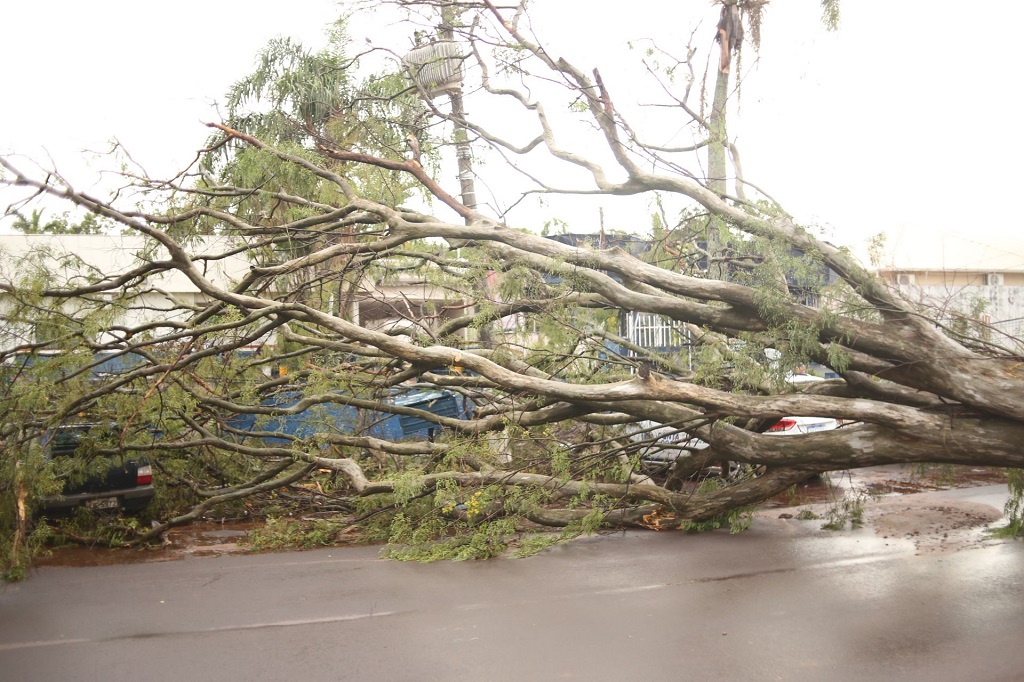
x=1002, y=307
x=73, y=258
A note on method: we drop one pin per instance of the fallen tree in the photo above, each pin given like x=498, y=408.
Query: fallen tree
x=350, y=299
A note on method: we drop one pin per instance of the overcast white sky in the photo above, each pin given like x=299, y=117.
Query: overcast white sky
x=907, y=117
x=77, y=74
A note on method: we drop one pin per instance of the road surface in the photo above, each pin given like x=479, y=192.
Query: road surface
x=783, y=601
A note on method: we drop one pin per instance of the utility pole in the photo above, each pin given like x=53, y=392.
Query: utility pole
x=730, y=37
x=463, y=152
x=437, y=68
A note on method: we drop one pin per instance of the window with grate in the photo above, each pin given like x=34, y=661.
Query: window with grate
x=649, y=330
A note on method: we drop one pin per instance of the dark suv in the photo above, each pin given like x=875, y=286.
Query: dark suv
x=127, y=483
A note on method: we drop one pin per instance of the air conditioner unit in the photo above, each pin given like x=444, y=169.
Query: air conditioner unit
x=994, y=279
x=905, y=279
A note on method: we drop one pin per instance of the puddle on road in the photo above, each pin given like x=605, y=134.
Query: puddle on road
x=218, y=539
x=812, y=491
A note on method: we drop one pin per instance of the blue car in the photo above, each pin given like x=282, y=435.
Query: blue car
x=347, y=419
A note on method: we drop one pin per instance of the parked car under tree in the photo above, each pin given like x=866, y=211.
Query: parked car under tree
x=109, y=483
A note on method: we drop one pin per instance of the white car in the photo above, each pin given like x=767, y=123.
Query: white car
x=668, y=445
x=672, y=443
x=795, y=426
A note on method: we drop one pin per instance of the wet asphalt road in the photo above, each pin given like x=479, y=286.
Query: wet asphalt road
x=783, y=601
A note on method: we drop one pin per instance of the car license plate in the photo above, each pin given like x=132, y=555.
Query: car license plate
x=102, y=503
x=815, y=427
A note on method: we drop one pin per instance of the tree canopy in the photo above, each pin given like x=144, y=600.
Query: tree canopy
x=371, y=289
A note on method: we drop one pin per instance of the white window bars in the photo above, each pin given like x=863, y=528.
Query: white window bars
x=652, y=331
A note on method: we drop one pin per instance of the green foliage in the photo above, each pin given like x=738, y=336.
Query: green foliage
x=849, y=509
x=408, y=486
x=302, y=102
x=437, y=538
x=285, y=533
x=463, y=524
x=534, y=544
x=736, y=520
x=23, y=471
x=14, y=565
x=101, y=529
x=480, y=539
x=1014, y=508
x=309, y=88
x=90, y=223
x=838, y=358
x=531, y=544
